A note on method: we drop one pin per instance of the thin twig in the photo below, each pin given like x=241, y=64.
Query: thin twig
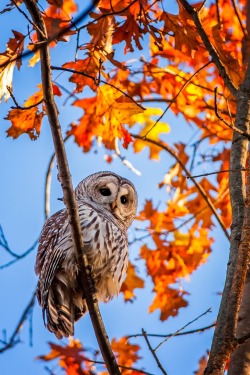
x=126, y=162
x=197, y=330
x=108, y=14
x=48, y=182
x=101, y=81
x=210, y=48
x=181, y=329
x=218, y=11
x=165, y=147
x=17, y=105
x=239, y=18
x=144, y=333
x=62, y=31
x=17, y=257
x=209, y=174
x=13, y=339
x=28, y=19
x=176, y=96
x=224, y=121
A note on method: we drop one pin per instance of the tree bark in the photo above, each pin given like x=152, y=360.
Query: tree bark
x=240, y=359
x=224, y=341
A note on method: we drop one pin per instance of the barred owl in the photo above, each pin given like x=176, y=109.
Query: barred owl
x=107, y=205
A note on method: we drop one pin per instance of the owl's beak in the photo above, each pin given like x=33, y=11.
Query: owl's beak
x=113, y=206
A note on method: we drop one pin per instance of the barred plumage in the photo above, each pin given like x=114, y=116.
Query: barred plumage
x=107, y=206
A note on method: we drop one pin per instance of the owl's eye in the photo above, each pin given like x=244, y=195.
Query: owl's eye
x=105, y=192
x=123, y=199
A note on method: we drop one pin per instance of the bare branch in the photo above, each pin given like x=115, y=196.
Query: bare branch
x=28, y=19
x=55, y=36
x=209, y=174
x=197, y=330
x=239, y=18
x=126, y=162
x=99, y=81
x=210, y=48
x=181, y=329
x=17, y=105
x=176, y=96
x=17, y=257
x=69, y=197
x=48, y=183
x=224, y=121
x=202, y=192
x=144, y=333
x=13, y=340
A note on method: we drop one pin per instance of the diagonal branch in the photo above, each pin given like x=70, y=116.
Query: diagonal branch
x=176, y=96
x=144, y=333
x=69, y=198
x=197, y=330
x=99, y=80
x=194, y=13
x=13, y=339
x=200, y=189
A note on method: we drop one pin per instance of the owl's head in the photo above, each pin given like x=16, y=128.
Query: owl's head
x=113, y=192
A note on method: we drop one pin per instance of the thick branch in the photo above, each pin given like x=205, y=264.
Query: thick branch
x=210, y=48
x=200, y=189
x=69, y=198
x=224, y=337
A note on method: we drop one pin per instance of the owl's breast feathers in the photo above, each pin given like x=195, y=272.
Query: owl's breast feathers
x=59, y=288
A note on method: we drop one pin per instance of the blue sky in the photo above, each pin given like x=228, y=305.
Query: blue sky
x=22, y=169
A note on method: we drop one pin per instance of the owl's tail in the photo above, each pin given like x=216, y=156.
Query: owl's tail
x=63, y=309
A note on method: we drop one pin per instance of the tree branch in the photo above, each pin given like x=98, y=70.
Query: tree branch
x=144, y=333
x=210, y=48
x=197, y=330
x=176, y=96
x=200, y=189
x=69, y=198
x=224, y=341
x=99, y=81
x=179, y=330
x=13, y=339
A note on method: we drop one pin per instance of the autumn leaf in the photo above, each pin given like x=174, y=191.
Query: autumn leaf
x=105, y=116
x=202, y=364
x=127, y=353
x=151, y=128
x=71, y=358
x=131, y=282
x=168, y=300
x=27, y=119
x=14, y=49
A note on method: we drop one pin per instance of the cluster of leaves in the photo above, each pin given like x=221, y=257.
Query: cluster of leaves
x=177, y=72
x=76, y=361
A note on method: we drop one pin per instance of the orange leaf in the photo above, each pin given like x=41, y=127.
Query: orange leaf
x=131, y=282
x=25, y=121
x=14, y=48
x=56, y=90
x=126, y=352
x=168, y=300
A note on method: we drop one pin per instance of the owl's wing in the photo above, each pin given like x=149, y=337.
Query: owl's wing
x=49, y=256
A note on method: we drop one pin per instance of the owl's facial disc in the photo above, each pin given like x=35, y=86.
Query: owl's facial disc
x=124, y=207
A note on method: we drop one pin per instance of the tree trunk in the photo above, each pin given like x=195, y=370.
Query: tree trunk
x=240, y=359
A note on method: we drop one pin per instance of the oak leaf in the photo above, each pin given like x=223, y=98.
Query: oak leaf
x=104, y=117
x=131, y=282
x=27, y=119
x=14, y=49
